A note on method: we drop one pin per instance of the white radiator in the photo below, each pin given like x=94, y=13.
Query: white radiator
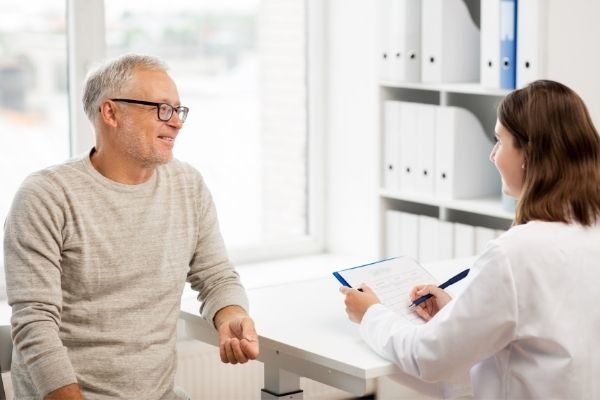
x=202, y=375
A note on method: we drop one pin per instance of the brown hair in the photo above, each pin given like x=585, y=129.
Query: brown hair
x=550, y=123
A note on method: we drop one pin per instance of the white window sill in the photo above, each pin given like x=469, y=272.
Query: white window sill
x=286, y=270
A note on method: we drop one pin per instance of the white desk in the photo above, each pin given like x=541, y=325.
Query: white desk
x=304, y=331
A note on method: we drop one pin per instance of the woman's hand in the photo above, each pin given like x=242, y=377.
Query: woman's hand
x=358, y=301
x=431, y=306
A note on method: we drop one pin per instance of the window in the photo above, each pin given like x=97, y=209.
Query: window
x=34, y=124
x=241, y=66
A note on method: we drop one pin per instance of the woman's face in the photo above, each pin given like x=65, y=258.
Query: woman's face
x=509, y=161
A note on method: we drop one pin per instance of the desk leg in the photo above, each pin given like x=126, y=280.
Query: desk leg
x=281, y=384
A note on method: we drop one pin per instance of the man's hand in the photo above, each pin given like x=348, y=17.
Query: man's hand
x=238, y=341
x=69, y=392
x=358, y=302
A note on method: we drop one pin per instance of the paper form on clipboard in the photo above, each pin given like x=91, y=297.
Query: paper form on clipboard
x=391, y=280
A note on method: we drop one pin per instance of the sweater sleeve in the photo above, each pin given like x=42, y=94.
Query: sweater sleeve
x=474, y=326
x=211, y=273
x=32, y=251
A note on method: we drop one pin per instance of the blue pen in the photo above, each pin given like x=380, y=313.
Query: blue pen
x=444, y=285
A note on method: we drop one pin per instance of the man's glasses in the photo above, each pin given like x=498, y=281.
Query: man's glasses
x=164, y=111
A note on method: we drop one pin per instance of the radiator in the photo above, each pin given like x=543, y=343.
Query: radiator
x=202, y=375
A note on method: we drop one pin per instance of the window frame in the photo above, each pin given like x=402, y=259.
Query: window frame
x=87, y=45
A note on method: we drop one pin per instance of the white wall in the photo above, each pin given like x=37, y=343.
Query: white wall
x=352, y=129
x=573, y=56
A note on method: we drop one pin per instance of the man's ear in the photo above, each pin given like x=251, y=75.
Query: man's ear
x=108, y=113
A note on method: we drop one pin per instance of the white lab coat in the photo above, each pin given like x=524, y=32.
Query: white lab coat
x=525, y=326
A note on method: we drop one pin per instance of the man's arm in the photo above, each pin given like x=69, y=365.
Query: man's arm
x=224, y=300
x=32, y=253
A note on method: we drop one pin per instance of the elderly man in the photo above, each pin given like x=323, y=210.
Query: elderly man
x=97, y=251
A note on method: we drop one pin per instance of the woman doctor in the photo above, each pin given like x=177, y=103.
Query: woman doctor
x=524, y=326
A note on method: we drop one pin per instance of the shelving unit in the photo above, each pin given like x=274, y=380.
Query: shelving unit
x=489, y=212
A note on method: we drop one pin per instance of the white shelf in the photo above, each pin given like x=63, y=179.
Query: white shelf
x=489, y=206
x=467, y=88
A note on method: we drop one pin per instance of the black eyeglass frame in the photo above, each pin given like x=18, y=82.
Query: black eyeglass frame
x=182, y=111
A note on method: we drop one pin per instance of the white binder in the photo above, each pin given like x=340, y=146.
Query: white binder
x=391, y=145
x=490, y=43
x=464, y=240
x=402, y=233
x=405, y=44
x=532, y=17
x=385, y=39
x=425, y=149
x=435, y=239
x=482, y=237
x=463, y=168
x=449, y=42
x=445, y=240
x=409, y=135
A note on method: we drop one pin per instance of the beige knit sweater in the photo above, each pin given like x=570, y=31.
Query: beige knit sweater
x=95, y=271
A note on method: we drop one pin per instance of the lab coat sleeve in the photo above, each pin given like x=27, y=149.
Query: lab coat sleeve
x=472, y=327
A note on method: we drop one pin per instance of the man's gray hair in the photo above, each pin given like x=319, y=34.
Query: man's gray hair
x=108, y=79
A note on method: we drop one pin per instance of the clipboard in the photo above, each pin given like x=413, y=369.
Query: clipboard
x=391, y=279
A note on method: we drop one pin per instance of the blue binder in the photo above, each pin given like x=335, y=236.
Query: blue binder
x=508, y=43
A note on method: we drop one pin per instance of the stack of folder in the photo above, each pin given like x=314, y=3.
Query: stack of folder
x=513, y=42
x=429, y=239
x=429, y=41
x=436, y=151
x=437, y=41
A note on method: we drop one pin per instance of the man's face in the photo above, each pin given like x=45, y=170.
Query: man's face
x=141, y=135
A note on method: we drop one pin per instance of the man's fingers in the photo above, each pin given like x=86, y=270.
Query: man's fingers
x=231, y=352
x=238, y=354
x=223, y=351
x=238, y=351
x=248, y=330
x=250, y=349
